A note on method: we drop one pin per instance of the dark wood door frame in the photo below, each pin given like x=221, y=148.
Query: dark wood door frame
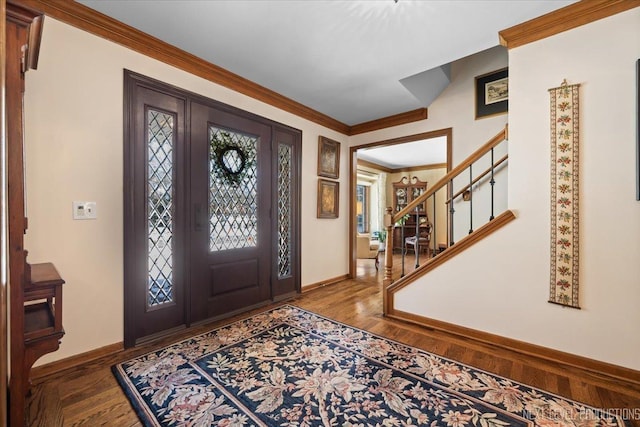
x=281, y=287
x=353, y=166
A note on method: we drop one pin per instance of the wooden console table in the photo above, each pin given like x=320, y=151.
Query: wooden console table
x=42, y=315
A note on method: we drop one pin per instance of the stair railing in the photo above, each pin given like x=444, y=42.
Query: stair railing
x=453, y=194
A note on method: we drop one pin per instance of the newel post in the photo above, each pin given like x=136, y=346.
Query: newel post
x=388, y=256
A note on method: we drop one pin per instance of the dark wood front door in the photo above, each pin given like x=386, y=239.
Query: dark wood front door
x=211, y=209
x=230, y=195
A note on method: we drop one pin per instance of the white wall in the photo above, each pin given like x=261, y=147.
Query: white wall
x=507, y=291
x=74, y=150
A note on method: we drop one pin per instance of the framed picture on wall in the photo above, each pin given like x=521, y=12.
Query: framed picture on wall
x=328, y=158
x=492, y=93
x=328, y=198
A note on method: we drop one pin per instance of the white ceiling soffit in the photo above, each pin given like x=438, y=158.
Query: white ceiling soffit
x=409, y=154
x=343, y=58
x=428, y=85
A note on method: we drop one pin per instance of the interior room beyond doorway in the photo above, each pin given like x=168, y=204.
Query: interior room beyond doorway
x=390, y=174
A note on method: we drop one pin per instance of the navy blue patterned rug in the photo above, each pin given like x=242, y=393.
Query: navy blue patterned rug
x=290, y=367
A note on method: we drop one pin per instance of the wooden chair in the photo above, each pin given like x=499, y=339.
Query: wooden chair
x=421, y=242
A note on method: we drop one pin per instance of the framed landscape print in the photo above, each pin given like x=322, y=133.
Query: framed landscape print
x=328, y=158
x=492, y=93
x=328, y=198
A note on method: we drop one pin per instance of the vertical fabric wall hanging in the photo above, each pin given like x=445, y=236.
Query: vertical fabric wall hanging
x=564, y=195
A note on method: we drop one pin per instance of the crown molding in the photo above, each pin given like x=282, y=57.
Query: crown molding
x=566, y=18
x=422, y=168
x=94, y=22
x=390, y=121
x=381, y=168
x=373, y=165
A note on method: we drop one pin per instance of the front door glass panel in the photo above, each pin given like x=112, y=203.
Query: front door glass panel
x=285, y=184
x=160, y=148
x=233, y=190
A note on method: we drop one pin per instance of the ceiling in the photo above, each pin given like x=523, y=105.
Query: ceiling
x=409, y=154
x=343, y=58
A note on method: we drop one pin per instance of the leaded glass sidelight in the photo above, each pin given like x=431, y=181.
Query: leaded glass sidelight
x=160, y=197
x=285, y=161
x=233, y=190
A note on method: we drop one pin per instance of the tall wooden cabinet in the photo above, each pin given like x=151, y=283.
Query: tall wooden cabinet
x=35, y=290
x=404, y=192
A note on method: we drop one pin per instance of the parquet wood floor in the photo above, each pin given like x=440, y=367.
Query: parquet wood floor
x=89, y=394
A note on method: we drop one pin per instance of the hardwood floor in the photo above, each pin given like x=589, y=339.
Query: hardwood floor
x=90, y=395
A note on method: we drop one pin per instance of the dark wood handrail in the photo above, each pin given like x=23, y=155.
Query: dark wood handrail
x=501, y=136
x=479, y=177
x=390, y=218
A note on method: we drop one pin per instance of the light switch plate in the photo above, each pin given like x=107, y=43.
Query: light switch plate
x=85, y=210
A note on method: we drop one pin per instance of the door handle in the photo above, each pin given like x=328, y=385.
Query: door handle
x=197, y=217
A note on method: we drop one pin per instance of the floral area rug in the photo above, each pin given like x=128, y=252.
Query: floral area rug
x=290, y=367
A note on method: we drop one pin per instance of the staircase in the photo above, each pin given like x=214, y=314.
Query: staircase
x=471, y=202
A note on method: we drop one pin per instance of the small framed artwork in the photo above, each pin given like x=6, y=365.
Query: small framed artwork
x=492, y=93
x=328, y=198
x=328, y=158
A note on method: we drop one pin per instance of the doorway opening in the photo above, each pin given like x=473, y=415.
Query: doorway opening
x=390, y=173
